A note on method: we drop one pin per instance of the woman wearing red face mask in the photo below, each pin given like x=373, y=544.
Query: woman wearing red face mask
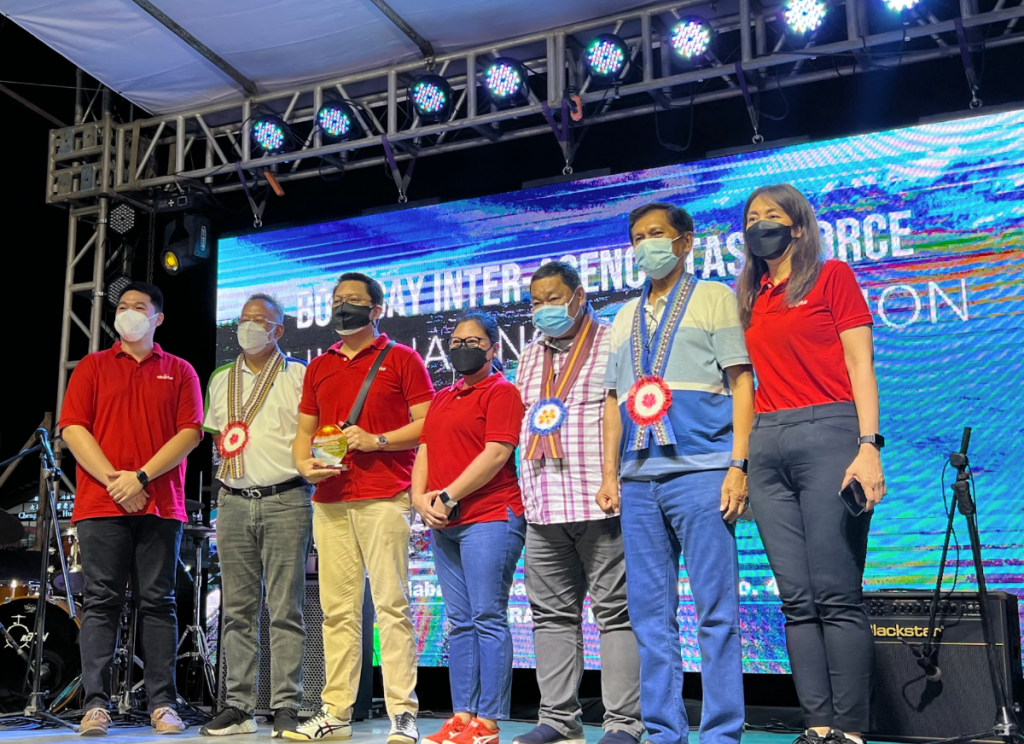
x=808, y=332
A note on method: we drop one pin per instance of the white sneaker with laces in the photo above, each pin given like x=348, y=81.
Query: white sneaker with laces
x=403, y=729
x=322, y=726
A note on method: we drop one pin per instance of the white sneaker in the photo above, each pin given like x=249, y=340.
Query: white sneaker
x=321, y=726
x=403, y=729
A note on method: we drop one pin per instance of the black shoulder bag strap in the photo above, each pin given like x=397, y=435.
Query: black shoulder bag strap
x=357, y=407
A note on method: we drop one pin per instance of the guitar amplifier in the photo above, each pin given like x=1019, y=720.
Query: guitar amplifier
x=313, y=671
x=905, y=706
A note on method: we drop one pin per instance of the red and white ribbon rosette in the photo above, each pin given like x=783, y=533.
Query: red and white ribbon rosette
x=648, y=401
x=233, y=440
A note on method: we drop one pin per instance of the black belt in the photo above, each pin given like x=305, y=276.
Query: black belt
x=258, y=492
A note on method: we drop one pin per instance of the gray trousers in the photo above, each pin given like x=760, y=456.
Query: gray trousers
x=264, y=540
x=562, y=562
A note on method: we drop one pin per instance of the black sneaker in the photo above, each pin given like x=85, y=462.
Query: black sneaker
x=615, y=737
x=285, y=719
x=810, y=736
x=835, y=736
x=542, y=733
x=230, y=721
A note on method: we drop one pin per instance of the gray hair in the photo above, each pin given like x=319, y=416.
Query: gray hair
x=270, y=300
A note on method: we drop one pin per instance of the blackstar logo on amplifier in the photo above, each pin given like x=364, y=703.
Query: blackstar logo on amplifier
x=904, y=631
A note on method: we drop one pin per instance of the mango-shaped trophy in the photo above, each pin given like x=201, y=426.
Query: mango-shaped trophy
x=330, y=446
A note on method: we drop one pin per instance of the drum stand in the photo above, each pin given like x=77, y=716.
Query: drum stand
x=200, y=536
x=48, y=529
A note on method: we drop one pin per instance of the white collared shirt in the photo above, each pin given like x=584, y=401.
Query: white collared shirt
x=268, y=456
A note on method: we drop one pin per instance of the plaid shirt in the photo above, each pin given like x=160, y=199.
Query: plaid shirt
x=561, y=491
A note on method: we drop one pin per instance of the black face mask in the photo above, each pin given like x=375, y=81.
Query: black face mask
x=347, y=318
x=466, y=361
x=767, y=239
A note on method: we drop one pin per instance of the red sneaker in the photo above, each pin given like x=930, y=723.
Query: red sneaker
x=451, y=727
x=476, y=732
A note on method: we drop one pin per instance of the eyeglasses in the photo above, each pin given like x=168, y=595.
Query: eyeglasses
x=351, y=300
x=470, y=343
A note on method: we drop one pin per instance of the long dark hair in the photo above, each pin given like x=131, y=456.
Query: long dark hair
x=805, y=259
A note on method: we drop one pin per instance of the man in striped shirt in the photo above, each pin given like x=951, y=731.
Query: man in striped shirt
x=571, y=545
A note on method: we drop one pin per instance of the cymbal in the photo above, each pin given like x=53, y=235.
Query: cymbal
x=11, y=529
x=199, y=530
x=191, y=505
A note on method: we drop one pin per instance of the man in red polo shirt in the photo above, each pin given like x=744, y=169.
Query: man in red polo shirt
x=131, y=415
x=361, y=515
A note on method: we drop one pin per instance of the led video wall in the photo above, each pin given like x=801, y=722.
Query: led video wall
x=929, y=217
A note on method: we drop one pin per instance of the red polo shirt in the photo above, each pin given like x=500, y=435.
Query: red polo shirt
x=132, y=409
x=460, y=422
x=797, y=355
x=330, y=388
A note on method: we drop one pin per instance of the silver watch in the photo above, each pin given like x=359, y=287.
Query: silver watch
x=382, y=441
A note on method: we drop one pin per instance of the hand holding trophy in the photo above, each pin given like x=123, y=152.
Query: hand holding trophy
x=330, y=446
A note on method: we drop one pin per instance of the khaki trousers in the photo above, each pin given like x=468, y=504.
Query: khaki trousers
x=356, y=539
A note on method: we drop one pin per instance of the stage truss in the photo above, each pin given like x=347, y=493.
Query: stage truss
x=155, y=162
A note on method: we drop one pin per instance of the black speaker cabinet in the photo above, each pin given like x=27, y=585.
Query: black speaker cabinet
x=313, y=663
x=905, y=706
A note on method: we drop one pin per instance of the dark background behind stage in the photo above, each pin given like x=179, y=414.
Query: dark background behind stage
x=34, y=240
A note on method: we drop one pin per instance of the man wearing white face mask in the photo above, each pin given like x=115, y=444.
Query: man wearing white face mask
x=677, y=419
x=572, y=547
x=264, y=519
x=131, y=415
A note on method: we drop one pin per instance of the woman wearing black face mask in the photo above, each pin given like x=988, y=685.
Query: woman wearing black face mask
x=464, y=485
x=808, y=332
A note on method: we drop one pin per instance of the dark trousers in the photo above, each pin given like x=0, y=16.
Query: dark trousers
x=113, y=549
x=798, y=459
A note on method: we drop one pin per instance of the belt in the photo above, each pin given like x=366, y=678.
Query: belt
x=258, y=492
x=806, y=414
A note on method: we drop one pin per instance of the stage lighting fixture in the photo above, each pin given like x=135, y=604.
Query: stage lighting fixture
x=805, y=16
x=431, y=97
x=187, y=241
x=690, y=38
x=898, y=6
x=335, y=121
x=505, y=80
x=115, y=288
x=270, y=133
x=122, y=219
x=606, y=56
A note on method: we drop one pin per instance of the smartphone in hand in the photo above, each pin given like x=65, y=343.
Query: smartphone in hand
x=854, y=499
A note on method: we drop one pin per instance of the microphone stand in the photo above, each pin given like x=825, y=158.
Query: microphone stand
x=36, y=708
x=1005, y=726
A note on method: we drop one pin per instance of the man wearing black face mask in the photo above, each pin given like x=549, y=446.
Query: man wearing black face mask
x=361, y=514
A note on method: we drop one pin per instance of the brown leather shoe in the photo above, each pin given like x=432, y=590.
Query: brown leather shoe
x=94, y=723
x=166, y=721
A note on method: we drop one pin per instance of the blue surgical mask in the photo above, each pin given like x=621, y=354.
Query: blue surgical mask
x=655, y=258
x=553, y=320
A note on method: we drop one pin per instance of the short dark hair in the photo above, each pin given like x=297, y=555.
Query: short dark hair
x=562, y=269
x=271, y=302
x=156, y=297
x=487, y=321
x=372, y=288
x=678, y=217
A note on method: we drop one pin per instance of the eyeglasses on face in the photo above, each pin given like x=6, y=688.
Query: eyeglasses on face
x=470, y=343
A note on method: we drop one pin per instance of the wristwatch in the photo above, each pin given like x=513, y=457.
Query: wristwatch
x=876, y=439
x=741, y=464
x=447, y=500
x=143, y=478
x=382, y=441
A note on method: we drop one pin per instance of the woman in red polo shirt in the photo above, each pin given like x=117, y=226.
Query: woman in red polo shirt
x=464, y=485
x=808, y=332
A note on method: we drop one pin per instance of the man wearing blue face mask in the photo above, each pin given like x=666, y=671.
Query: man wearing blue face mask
x=264, y=518
x=572, y=547
x=677, y=419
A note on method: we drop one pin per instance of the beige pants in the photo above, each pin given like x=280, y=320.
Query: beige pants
x=354, y=537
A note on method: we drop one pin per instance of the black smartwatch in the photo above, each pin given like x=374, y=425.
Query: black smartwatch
x=447, y=500
x=876, y=439
x=741, y=464
x=143, y=478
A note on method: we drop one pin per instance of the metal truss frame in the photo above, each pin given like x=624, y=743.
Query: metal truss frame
x=208, y=148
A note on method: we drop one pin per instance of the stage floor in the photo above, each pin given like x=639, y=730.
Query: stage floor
x=367, y=732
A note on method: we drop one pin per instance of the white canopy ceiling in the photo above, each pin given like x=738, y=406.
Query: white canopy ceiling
x=275, y=43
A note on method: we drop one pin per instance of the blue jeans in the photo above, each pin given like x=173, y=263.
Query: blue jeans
x=660, y=519
x=475, y=564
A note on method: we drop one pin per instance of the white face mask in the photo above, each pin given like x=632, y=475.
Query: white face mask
x=253, y=337
x=132, y=325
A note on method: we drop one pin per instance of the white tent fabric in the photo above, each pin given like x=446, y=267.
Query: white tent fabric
x=275, y=43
